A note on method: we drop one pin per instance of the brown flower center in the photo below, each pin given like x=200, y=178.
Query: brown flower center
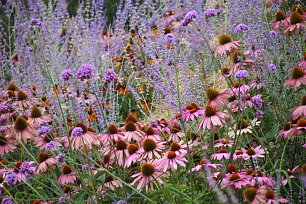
x=287, y=126
x=21, y=96
x=304, y=101
x=121, y=145
x=224, y=39
x=297, y=72
x=231, y=168
x=242, y=124
x=259, y=173
x=35, y=113
x=147, y=169
x=175, y=146
x=225, y=70
x=250, y=193
x=295, y=18
x=250, y=171
x=17, y=166
x=223, y=150
x=195, y=106
x=280, y=16
x=301, y=122
x=66, y=169
x=43, y=156
x=234, y=177
x=131, y=118
x=204, y=161
x=176, y=129
x=3, y=140
x=297, y=8
x=149, y=144
x=4, y=162
x=304, y=169
x=67, y=189
x=130, y=126
x=237, y=84
x=12, y=87
x=269, y=194
x=149, y=131
x=251, y=152
x=171, y=155
x=108, y=178
x=211, y=93
x=20, y=124
x=132, y=148
x=112, y=129
x=210, y=111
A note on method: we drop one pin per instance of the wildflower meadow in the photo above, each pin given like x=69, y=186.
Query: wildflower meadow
x=165, y=102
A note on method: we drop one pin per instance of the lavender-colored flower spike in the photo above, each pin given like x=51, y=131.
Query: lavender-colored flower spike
x=272, y=67
x=241, y=28
x=273, y=34
x=11, y=179
x=85, y=72
x=76, y=132
x=241, y=74
x=211, y=12
x=190, y=16
x=66, y=74
x=7, y=200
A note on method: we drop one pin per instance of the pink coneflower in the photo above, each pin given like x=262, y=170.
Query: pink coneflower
x=21, y=130
x=257, y=84
x=37, y=117
x=238, y=155
x=281, y=21
x=111, y=183
x=211, y=118
x=299, y=110
x=179, y=147
x=222, y=153
x=6, y=145
x=286, y=131
x=133, y=155
x=112, y=135
x=239, y=89
x=301, y=125
x=239, y=60
x=302, y=63
x=226, y=45
x=243, y=127
x=68, y=175
x=131, y=133
x=235, y=180
x=216, y=98
x=82, y=136
x=44, y=161
x=149, y=171
x=191, y=112
x=172, y=159
x=176, y=118
x=162, y=126
x=176, y=133
x=292, y=174
x=150, y=133
x=22, y=100
x=270, y=198
x=297, y=23
x=298, y=77
x=259, y=178
x=205, y=163
x=150, y=148
x=223, y=143
x=120, y=151
x=253, y=153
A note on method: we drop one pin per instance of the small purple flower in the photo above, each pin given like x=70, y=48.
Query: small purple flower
x=60, y=158
x=66, y=74
x=85, y=72
x=241, y=28
x=62, y=199
x=43, y=130
x=273, y=34
x=169, y=38
x=51, y=146
x=211, y=12
x=6, y=108
x=26, y=168
x=30, y=49
x=7, y=200
x=257, y=101
x=190, y=16
x=154, y=123
x=42, y=123
x=120, y=202
x=11, y=179
x=272, y=67
x=110, y=75
x=241, y=74
x=259, y=113
x=77, y=132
